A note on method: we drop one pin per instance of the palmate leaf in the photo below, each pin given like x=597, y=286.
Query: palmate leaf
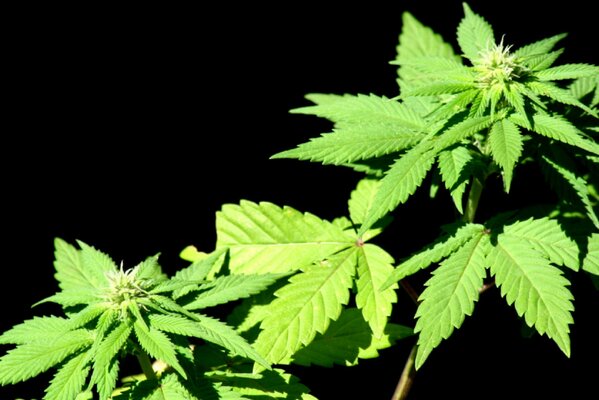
x=69, y=380
x=265, y=238
x=167, y=388
x=71, y=274
x=363, y=109
x=199, y=270
x=354, y=143
x=505, y=142
x=535, y=287
x=580, y=188
x=105, y=359
x=401, y=181
x=451, y=165
x=558, y=94
x=540, y=47
x=591, y=260
x=273, y=384
x=361, y=199
x=546, y=236
x=374, y=266
x=417, y=40
x=474, y=34
x=210, y=330
x=38, y=328
x=306, y=306
x=347, y=340
x=567, y=71
x=557, y=128
x=96, y=262
x=450, y=295
x=230, y=288
x=462, y=130
x=30, y=359
x=441, y=248
x=157, y=345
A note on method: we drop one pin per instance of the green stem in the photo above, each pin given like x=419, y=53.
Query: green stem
x=407, y=377
x=145, y=363
x=473, y=198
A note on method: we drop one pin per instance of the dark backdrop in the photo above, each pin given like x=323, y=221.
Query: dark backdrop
x=128, y=126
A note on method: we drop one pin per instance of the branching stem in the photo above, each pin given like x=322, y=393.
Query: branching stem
x=473, y=198
x=407, y=377
x=145, y=363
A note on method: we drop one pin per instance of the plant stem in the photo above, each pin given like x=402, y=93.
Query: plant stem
x=473, y=197
x=145, y=363
x=407, y=377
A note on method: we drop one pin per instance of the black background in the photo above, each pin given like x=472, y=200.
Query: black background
x=127, y=127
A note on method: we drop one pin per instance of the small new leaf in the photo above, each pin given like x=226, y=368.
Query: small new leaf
x=474, y=34
x=505, y=142
x=158, y=345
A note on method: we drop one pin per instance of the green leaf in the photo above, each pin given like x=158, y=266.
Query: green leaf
x=354, y=143
x=210, y=330
x=440, y=87
x=274, y=384
x=451, y=165
x=96, y=263
x=457, y=104
x=306, y=306
x=230, y=288
x=70, y=273
x=441, y=248
x=536, y=288
x=107, y=380
x=105, y=358
x=475, y=35
x=417, y=40
x=582, y=87
x=546, y=236
x=69, y=380
x=505, y=143
x=537, y=48
x=579, y=186
x=150, y=269
x=374, y=266
x=401, y=181
x=591, y=260
x=30, y=359
x=347, y=340
x=265, y=238
x=557, y=128
x=363, y=109
x=540, y=62
x=462, y=130
x=38, y=328
x=362, y=198
x=567, y=71
x=560, y=95
x=199, y=270
x=157, y=345
x=450, y=295
x=167, y=388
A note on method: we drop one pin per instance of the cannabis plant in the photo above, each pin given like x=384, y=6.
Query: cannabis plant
x=310, y=291
x=112, y=312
